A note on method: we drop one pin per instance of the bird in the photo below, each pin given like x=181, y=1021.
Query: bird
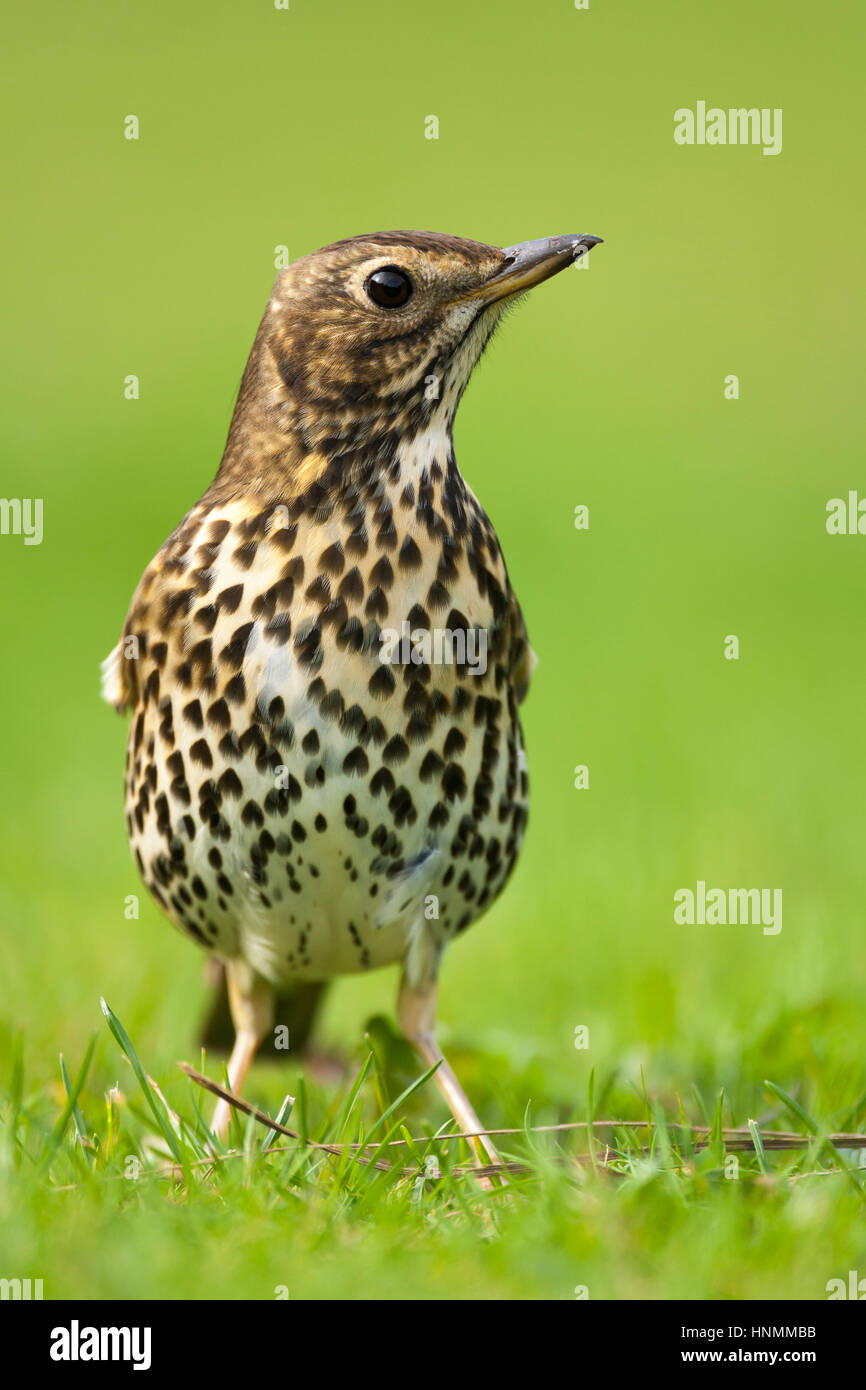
x=323, y=664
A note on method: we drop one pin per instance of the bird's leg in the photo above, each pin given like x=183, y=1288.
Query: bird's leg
x=251, y=1001
x=416, y=1012
x=296, y=1012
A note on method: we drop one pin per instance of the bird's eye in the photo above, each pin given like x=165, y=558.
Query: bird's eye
x=389, y=287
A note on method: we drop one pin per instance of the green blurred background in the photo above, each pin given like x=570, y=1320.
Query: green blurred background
x=261, y=127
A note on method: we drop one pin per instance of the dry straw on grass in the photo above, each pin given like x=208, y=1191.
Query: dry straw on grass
x=734, y=1139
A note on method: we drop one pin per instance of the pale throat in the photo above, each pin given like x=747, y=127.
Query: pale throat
x=417, y=454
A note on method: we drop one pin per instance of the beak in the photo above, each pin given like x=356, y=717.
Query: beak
x=530, y=262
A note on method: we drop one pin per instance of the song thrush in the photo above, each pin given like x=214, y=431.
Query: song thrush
x=325, y=659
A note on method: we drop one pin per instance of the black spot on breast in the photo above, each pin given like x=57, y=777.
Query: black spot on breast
x=179, y=602
x=430, y=767
x=409, y=558
x=381, y=684
x=356, y=763
x=352, y=585
x=387, y=534
x=354, y=723
x=200, y=753
x=334, y=614
x=419, y=727
x=218, y=714
x=283, y=591
x=308, y=645
x=264, y=605
x=332, y=705
x=233, y=654
x=253, y=741
x=396, y=750
x=401, y=806
x=382, y=574
x=229, y=784
x=455, y=743
x=351, y=636
x=206, y=617
x=230, y=598
x=437, y=597
x=357, y=542
x=229, y=746
x=284, y=537
x=454, y=781
x=418, y=616
x=294, y=570
x=236, y=689
x=382, y=781
x=376, y=605
x=333, y=559
x=320, y=589
x=244, y=555
x=279, y=629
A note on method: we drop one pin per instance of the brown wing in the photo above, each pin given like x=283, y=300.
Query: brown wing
x=523, y=660
x=163, y=576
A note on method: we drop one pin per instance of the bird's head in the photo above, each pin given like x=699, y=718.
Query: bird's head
x=372, y=340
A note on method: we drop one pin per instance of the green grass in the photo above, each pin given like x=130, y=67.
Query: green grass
x=662, y=1211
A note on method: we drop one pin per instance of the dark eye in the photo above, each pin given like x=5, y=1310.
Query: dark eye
x=389, y=287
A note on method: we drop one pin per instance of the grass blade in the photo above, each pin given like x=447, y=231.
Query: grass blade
x=122, y=1038
x=70, y=1106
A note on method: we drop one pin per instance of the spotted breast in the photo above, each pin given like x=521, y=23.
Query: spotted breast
x=307, y=786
